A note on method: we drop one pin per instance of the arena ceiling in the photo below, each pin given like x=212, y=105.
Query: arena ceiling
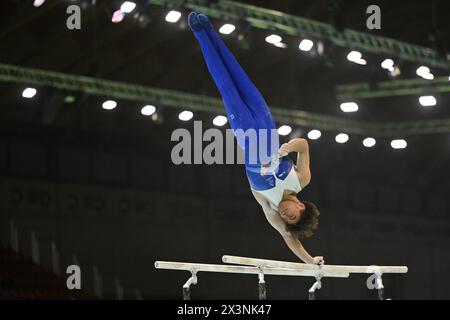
x=146, y=50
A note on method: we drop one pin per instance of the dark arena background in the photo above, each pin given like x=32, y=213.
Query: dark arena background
x=87, y=179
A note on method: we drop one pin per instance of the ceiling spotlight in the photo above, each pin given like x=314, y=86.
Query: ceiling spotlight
x=29, y=93
x=173, y=16
x=349, y=107
x=425, y=73
x=148, y=110
x=388, y=64
x=220, y=121
x=427, y=101
x=314, y=134
x=227, y=28
x=38, y=3
x=284, y=130
x=341, y=138
x=422, y=70
x=306, y=45
x=127, y=6
x=109, y=105
x=280, y=45
x=117, y=16
x=395, y=71
x=369, y=142
x=428, y=76
x=185, y=115
x=399, y=144
x=356, y=57
x=273, y=39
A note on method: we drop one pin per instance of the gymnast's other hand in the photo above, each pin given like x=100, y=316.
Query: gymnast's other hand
x=284, y=150
x=318, y=261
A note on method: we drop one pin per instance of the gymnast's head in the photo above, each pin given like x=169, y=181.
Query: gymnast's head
x=301, y=217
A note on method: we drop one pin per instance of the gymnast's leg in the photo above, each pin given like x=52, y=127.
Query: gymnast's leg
x=238, y=112
x=249, y=93
x=222, y=66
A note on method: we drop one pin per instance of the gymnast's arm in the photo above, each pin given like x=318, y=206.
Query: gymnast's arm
x=300, y=146
x=291, y=241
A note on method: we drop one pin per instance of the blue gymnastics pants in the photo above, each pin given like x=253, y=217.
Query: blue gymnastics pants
x=244, y=104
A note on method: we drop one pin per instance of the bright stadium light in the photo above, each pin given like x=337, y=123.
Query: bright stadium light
x=117, y=16
x=422, y=70
x=341, y=138
x=280, y=45
x=109, y=104
x=427, y=101
x=127, y=6
x=349, y=107
x=273, y=39
x=425, y=73
x=428, y=76
x=185, y=115
x=284, y=130
x=148, y=110
x=314, y=134
x=356, y=57
x=388, y=64
x=38, y=3
x=173, y=16
x=227, y=28
x=220, y=121
x=399, y=144
x=369, y=142
x=29, y=93
x=305, y=45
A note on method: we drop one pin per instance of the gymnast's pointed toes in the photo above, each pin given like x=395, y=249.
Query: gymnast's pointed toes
x=193, y=22
x=204, y=21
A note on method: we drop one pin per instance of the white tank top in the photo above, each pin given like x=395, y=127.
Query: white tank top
x=275, y=194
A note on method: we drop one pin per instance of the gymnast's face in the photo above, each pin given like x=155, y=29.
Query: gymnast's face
x=290, y=209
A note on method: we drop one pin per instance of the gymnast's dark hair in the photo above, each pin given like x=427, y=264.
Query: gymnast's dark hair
x=309, y=221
